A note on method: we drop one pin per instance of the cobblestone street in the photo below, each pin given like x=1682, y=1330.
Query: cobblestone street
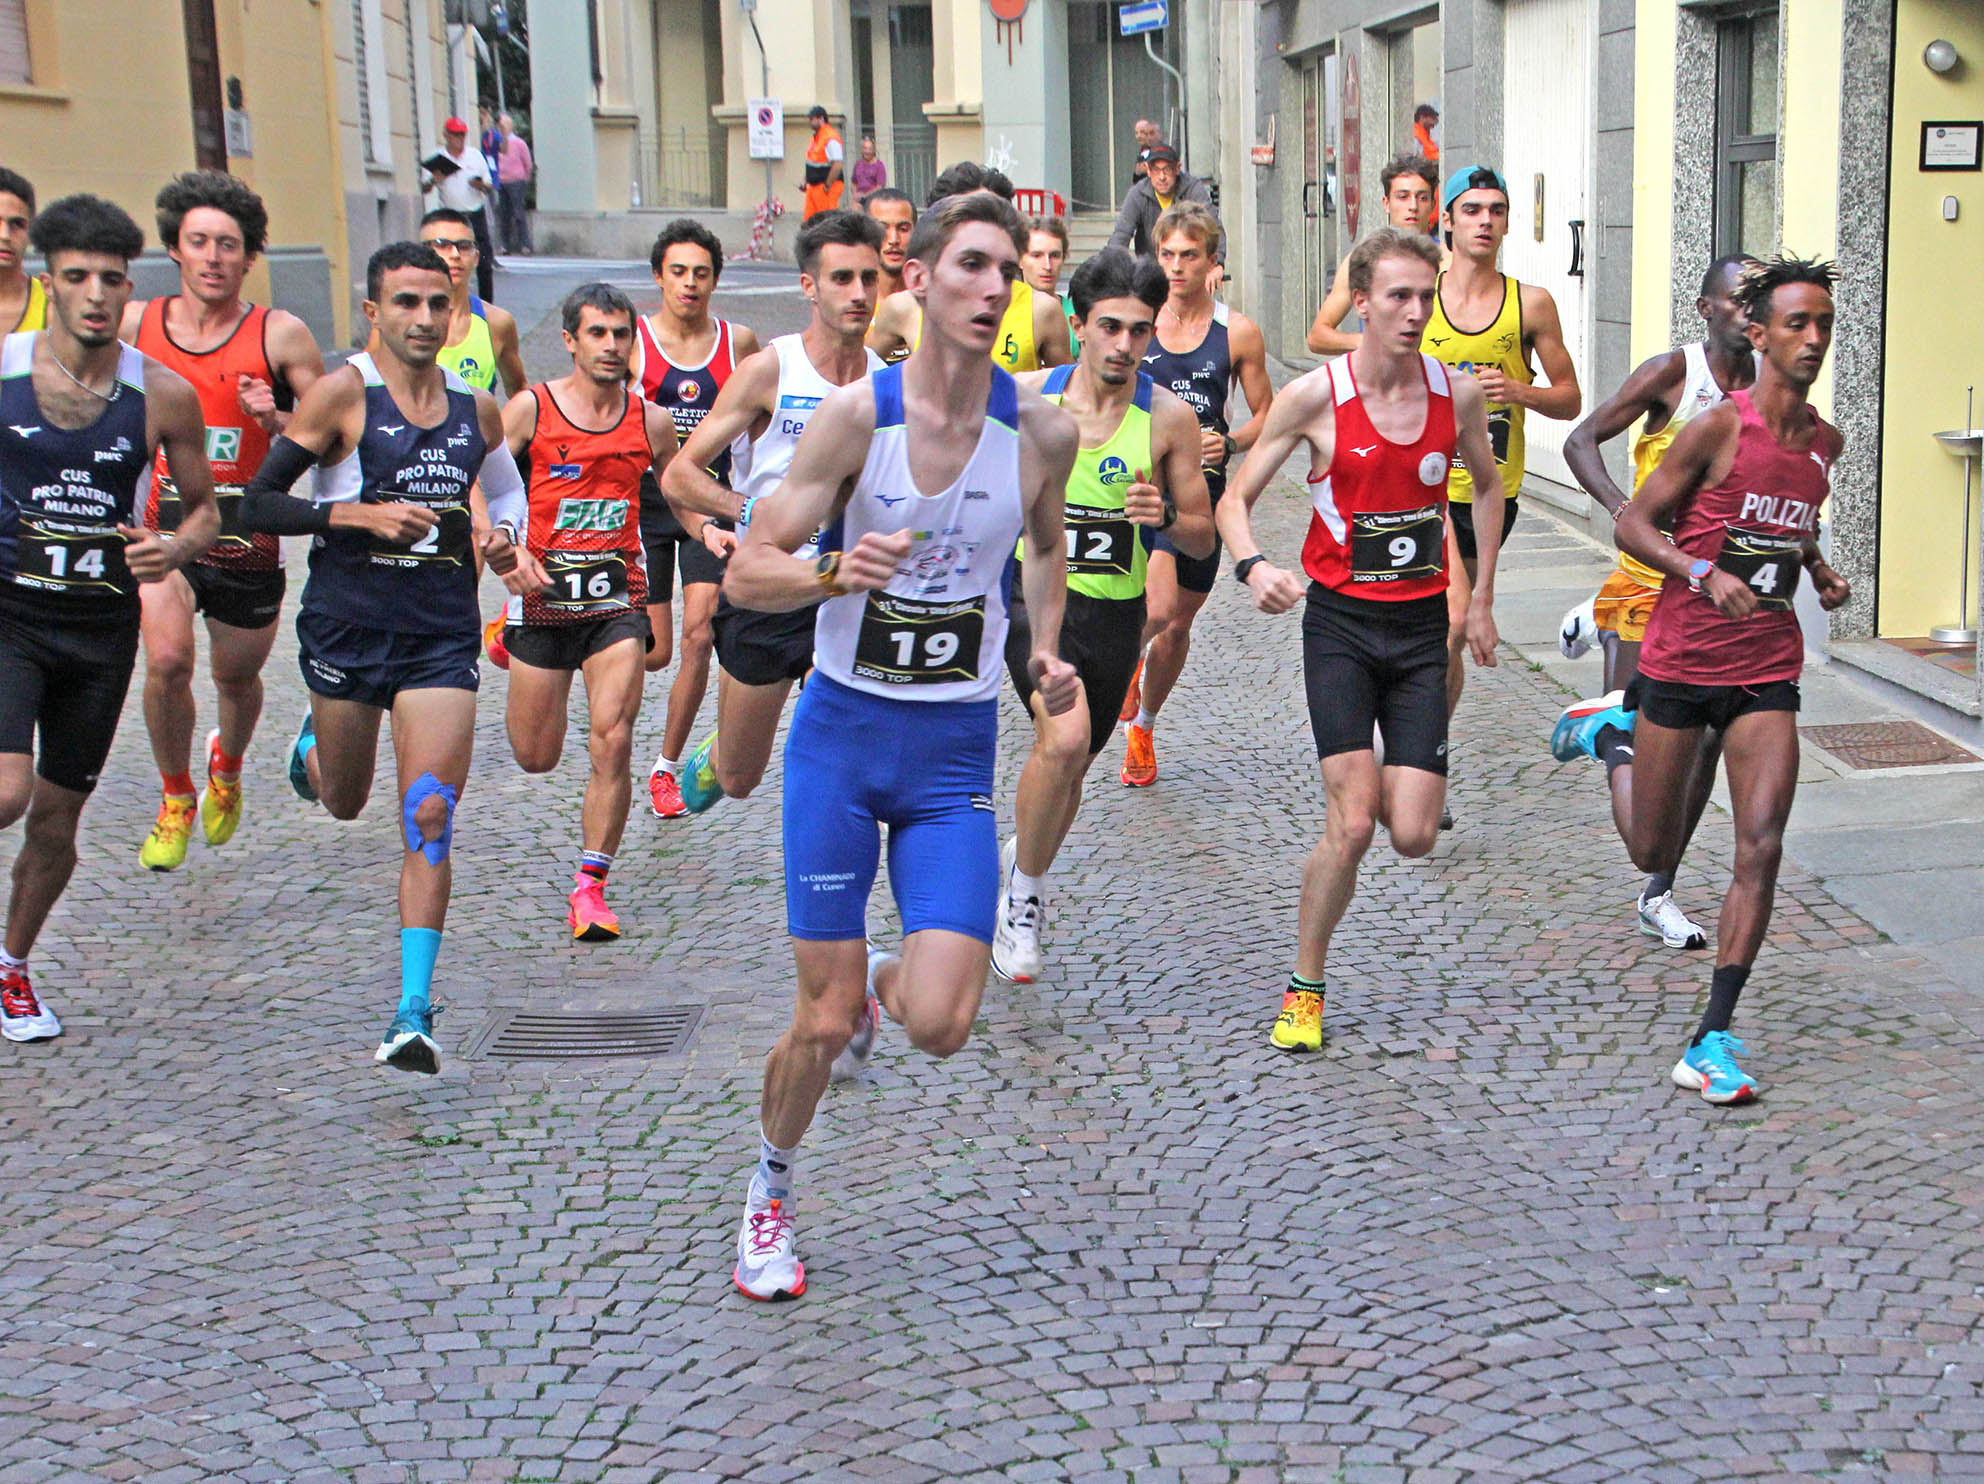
x=1118, y=1237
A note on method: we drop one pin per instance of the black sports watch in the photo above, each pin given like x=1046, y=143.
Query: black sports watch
x=1245, y=566
x=1170, y=510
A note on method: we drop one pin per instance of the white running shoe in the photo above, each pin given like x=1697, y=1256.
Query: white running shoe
x=1579, y=631
x=767, y=1268
x=853, y=1058
x=1016, y=933
x=24, y=1015
x=1661, y=917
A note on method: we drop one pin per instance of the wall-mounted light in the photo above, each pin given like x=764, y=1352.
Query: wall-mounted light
x=1940, y=56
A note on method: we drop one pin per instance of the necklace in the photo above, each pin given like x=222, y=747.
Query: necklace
x=116, y=387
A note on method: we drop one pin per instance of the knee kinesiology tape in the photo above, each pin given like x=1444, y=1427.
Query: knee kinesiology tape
x=425, y=787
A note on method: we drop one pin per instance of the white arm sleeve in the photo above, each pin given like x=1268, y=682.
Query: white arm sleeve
x=503, y=490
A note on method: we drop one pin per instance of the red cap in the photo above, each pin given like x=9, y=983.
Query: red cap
x=454, y=126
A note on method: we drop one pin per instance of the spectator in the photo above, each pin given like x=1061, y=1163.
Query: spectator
x=1147, y=136
x=468, y=189
x=1425, y=119
x=514, y=167
x=870, y=174
x=1163, y=185
x=826, y=158
x=490, y=141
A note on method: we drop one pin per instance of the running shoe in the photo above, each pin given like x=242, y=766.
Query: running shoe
x=1139, y=759
x=492, y=642
x=860, y=1046
x=666, y=795
x=1578, y=633
x=299, y=773
x=1299, y=1027
x=699, y=786
x=1446, y=819
x=1134, y=701
x=165, y=847
x=24, y=1015
x=767, y=1268
x=591, y=920
x=409, y=1043
x=220, y=803
x=1578, y=728
x=1016, y=930
x=1710, y=1069
x=1661, y=917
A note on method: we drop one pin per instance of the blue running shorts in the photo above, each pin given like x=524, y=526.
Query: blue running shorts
x=854, y=762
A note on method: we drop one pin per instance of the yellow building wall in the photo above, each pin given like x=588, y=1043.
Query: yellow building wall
x=1653, y=175
x=1935, y=343
x=1808, y=141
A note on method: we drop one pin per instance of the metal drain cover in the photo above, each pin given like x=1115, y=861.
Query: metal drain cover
x=535, y=1035
x=1887, y=744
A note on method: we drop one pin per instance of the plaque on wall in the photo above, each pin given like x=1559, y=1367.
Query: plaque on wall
x=1952, y=144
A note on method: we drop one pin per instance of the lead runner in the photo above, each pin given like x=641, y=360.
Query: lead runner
x=899, y=723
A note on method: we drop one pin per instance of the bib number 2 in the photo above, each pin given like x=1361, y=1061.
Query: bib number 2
x=904, y=642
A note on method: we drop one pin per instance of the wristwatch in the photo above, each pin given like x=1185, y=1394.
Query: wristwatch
x=1698, y=571
x=1170, y=511
x=1246, y=565
x=826, y=571
x=1231, y=447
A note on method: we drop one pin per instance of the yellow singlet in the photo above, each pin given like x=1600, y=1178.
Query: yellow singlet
x=34, y=314
x=1014, y=349
x=1498, y=345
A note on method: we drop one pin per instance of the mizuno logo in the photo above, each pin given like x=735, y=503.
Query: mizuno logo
x=1364, y=452
x=390, y=430
x=25, y=432
x=889, y=502
x=1152, y=359
x=1438, y=339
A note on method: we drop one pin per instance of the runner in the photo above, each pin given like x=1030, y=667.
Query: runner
x=23, y=301
x=900, y=722
x=1409, y=182
x=1741, y=489
x=1518, y=321
x=1033, y=330
x=482, y=337
x=1383, y=425
x=389, y=619
x=1138, y=467
x=1669, y=391
x=248, y=364
x=1046, y=252
x=584, y=441
x=769, y=401
x=81, y=416
x=1201, y=352
x=897, y=214
x=685, y=355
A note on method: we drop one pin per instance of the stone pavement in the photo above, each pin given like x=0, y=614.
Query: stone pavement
x=1116, y=1238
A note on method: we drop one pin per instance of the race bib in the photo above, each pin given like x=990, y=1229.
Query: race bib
x=1394, y=545
x=906, y=642
x=446, y=542
x=1767, y=561
x=1101, y=543
x=58, y=556
x=586, y=582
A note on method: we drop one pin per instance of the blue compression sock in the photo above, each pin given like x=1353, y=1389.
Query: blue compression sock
x=420, y=949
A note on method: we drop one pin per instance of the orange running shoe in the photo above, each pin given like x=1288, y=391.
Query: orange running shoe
x=665, y=793
x=1133, y=700
x=492, y=641
x=1140, y=759
x=591, y=919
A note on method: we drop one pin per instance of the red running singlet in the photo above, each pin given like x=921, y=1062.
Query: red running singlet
x=584, y=522
x=1379, y=527
x=688, y=392
x=1753, y=525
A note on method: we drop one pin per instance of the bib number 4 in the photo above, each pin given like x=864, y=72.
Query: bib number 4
x=1768, y=562
x=904, y=642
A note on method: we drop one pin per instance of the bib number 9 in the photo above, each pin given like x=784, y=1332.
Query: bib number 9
x=1768, y=562
x=904, y=642
x=585, y=582
x=1396, y=545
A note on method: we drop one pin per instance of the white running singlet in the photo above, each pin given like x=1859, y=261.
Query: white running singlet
x=758, y=465
x=937, y=632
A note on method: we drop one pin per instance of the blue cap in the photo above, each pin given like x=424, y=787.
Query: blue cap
x=1471, y=178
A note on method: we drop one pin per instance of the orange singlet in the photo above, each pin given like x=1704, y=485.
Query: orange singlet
x=584, y=522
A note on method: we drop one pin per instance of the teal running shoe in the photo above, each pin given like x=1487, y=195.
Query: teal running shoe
x=699, y=786
x=1578, y=728
x=1710, y=1069
x=409, y=1043
x=299, y=772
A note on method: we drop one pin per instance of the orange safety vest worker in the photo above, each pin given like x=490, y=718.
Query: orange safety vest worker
x=823, y=194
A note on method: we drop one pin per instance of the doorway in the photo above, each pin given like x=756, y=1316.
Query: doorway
x=203, y=83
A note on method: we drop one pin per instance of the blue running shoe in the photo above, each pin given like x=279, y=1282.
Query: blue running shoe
x=699, y=786
x=409, y=1043
x=1578, y=728
x=1710, y=1069
x=299, y=774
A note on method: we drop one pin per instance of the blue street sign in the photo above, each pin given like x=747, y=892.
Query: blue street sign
x=1145, y=15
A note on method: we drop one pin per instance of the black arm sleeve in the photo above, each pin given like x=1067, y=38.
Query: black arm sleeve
x=267, y=505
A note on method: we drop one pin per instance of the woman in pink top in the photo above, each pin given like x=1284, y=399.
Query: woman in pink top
x=513, y=171
x=870, y=174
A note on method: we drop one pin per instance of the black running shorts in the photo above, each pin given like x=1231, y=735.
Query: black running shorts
x=1101, y=637
x=1463, y=519
x=1384, y=664
x=1681, y=707
x=239, y=599
x=757, y=648
x=353, y=662
x=665, y=544
x=1195, y=574
x=64, y=669
x=567, y=646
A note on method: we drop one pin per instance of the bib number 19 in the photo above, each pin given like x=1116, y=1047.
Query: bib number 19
x=904, y=642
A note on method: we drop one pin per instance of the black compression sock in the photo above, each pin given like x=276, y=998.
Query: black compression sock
x=1657, y=885
x=1305, y=986
x=1723, y=992
x=1614, y=748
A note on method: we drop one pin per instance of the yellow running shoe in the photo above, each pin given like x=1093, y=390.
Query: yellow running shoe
x=1299, y=1027
x=220, y=803
x=165, y=847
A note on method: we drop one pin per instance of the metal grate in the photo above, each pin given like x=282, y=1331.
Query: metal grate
x=1887, y=744
x=532, y=1035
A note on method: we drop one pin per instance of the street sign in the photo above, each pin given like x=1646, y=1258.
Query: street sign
x=765, y=133
x=1145, y=15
